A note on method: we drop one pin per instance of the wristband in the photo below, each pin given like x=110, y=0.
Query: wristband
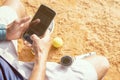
x=2, y=32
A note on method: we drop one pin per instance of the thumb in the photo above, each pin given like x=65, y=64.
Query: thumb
x=35, y=38
x=35, y=22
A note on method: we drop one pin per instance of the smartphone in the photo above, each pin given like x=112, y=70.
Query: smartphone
x=46, y=16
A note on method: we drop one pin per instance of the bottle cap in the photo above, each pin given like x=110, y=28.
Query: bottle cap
x=66, y=60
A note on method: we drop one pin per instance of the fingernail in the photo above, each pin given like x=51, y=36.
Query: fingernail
x=32, y=36
x=38, y=20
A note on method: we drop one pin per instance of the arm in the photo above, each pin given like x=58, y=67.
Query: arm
x=15, y=30
x=39, y=69
x=41, y=48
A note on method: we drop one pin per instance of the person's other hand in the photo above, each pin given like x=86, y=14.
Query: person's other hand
x=16, y=29
x=41, y=46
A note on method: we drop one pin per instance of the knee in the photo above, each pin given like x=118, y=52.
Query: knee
x=103, y=67
x=104, y=62
x=100, y=63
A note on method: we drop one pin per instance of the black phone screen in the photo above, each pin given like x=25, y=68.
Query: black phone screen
x=46, y=16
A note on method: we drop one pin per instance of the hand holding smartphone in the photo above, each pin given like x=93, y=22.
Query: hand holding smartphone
x=46, y=16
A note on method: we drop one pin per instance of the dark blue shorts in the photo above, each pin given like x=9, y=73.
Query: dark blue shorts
x=7, y=72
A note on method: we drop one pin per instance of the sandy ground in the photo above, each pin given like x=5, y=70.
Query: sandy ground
x=85, y=26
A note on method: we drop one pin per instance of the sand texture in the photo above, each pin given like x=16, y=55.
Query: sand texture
x=85, y=26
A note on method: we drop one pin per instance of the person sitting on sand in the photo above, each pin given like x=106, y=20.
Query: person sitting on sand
x=13, y=23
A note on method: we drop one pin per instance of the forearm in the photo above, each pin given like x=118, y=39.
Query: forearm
x=41, y=49
x=39, y=69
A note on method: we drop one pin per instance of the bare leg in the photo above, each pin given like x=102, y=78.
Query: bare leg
x=17, y=6
x=101, y=65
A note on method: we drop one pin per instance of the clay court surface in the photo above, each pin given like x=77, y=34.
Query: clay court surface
x=85, y=26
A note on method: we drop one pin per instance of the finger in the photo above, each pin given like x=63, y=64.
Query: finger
x=35, y=38
x=25, y=26
x=27, y=44
x=35, y=22
x=24, y=20
x=28, y=24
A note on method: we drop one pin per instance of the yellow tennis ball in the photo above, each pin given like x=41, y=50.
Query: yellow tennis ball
x=57, y=42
